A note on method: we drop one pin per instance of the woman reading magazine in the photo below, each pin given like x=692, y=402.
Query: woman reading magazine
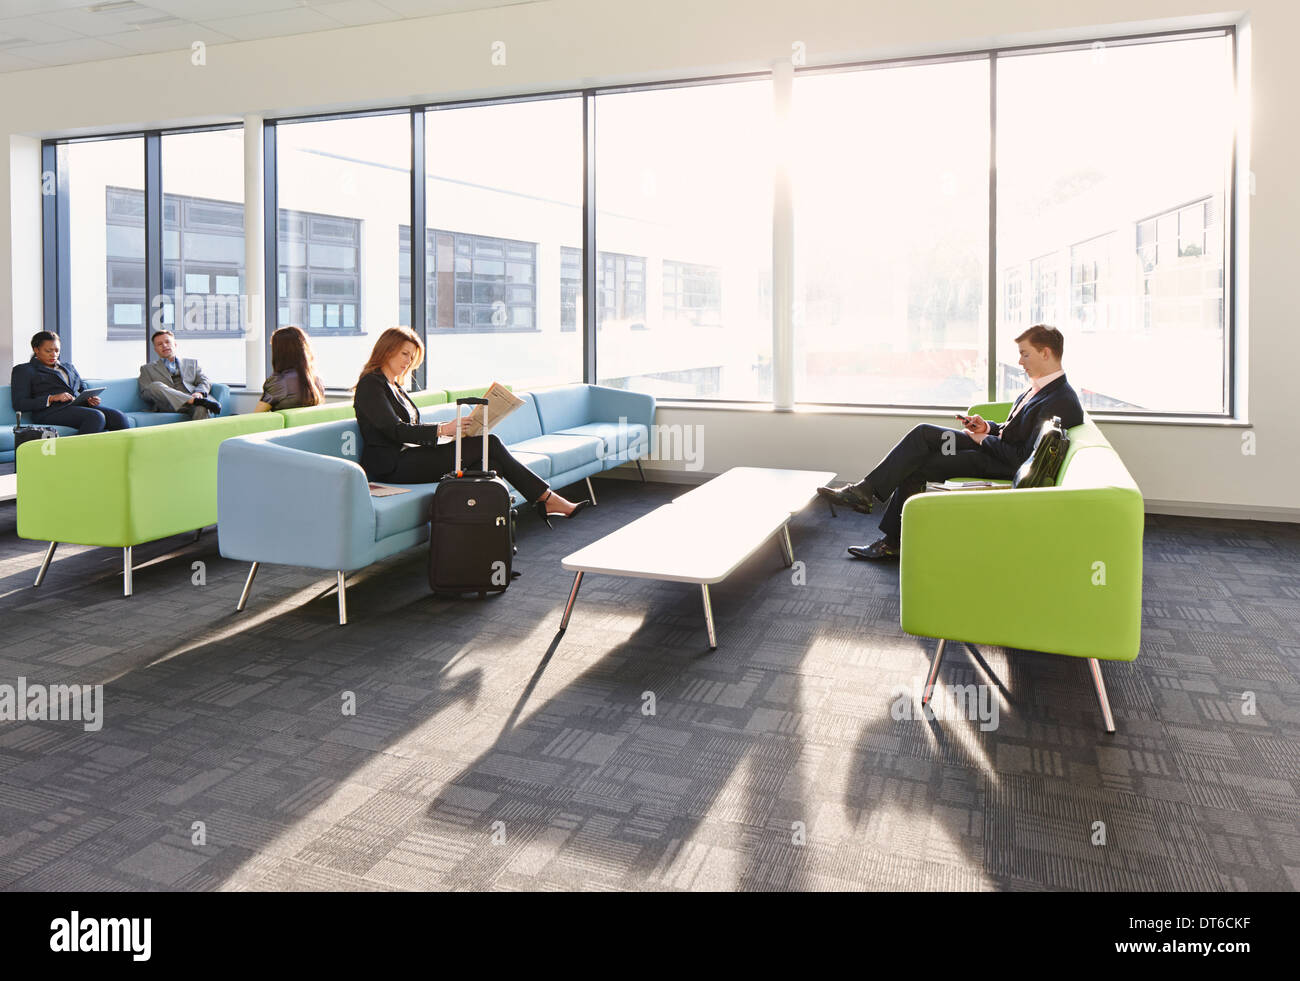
x=389, y=422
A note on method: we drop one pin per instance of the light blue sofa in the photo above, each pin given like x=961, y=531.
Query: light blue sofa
x=299, y=496
x=122, y=394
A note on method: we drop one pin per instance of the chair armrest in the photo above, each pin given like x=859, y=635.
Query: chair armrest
x=991, y=411
x=612, y=404
x=1054, y=569
x=221, y=393
x=288, y=506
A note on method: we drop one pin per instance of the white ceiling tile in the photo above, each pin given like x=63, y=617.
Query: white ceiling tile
x=431, y=8
x=88, y=24
x=299, y=20
x=33, y=30
x=70, y=52
x=180, y=37
x=21, y=8
x=202, y=11
x=353, y=13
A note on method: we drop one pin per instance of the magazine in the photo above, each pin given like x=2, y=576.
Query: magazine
x=961, y=485
x=501, y=402
x=386, y=490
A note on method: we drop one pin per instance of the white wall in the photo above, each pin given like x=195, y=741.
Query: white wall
x=568, y=43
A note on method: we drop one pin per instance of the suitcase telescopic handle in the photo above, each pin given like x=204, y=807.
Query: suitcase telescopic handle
x=471, y=401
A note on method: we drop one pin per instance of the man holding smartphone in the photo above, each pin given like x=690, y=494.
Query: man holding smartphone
x=45, y=387
x=979, y=449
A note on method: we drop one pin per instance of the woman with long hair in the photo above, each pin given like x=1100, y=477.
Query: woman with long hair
x=389, y=421
x=294, y=381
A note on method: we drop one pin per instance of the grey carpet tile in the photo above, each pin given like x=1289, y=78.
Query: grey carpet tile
x=463, y=744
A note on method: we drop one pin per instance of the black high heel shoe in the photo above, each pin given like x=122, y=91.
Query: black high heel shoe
x=548, y=515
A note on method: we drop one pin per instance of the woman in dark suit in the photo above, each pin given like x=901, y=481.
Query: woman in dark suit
x=46, y=387
x=294, y=382
x=390, y=422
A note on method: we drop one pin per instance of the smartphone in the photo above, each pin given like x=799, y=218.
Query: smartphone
x=965, y=420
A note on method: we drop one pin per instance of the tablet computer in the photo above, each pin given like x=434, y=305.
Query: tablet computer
x=88, y=394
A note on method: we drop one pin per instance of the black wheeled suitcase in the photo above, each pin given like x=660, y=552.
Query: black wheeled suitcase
x=472, y=539
x=25, y=434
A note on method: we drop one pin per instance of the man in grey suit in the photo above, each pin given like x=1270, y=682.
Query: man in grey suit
x=176, y=384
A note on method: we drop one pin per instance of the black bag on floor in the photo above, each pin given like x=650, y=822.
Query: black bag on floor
x=472, y=538
x=25, y=434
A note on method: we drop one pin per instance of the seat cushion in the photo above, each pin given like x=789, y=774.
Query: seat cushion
x=140, y=419
x=566, y=452
x=6, y=439
x=620, y=439
x=402, y=512
x=538, y=463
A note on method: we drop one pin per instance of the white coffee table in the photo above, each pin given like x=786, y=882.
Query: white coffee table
x=702, y=536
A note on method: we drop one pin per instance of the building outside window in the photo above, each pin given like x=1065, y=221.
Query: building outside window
x=620, y=288
x=1089, y=275
x=1043, y=283
x=474, y=282
x=570, y=287
x=1013, y=303
x=319, y=272
x=693, y=293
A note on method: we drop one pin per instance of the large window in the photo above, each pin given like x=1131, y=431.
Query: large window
x=344, y=191
x=203, y=250
x=102, y=203
x=502, y=228
x=891, y=234
x=684, y=204
x=1130, y=194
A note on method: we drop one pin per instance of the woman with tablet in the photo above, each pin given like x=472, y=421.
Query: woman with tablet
x=53, y=394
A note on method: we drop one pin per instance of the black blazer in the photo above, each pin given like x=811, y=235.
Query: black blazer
x=387, y=423
x=1012, y=442
x=34, y=382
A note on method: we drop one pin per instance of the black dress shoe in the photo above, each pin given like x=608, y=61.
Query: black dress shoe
x=212, y=405
x=881, y=550
x=856, y=496
x=546, y=515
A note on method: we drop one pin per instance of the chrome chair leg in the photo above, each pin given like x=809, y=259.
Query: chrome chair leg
x=127, y=588
x=343, y=600
x=568, y=607
x=708, y=617
x=591, y=492
x=45, y=564
x=934, y=673
x=248, y=587
x=1100, y=684
x=198, y=533
x=786, y=546
x=640, y=471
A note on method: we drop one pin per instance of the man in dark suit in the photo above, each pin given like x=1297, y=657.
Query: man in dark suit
x=980, y=449
x=45, y=387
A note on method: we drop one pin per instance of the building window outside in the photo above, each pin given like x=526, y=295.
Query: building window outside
x=692, y=292
x=203, y=245
x=1043, y=282
x=474, y=282
x=1089, y=271
x=1013, y=304
x=1192, y=225
x=319, y=262
x=620, y=288
x=570, y=287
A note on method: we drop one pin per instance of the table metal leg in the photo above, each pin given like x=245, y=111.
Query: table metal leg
x=568, y=607
x=248, y=586
x=934, y=673
x=708, y=617
x=45, y=564
x=786, y=546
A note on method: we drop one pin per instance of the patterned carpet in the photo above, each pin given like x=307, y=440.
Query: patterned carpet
x=485, y=753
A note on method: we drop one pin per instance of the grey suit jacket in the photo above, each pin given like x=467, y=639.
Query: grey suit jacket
x=192, y=377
